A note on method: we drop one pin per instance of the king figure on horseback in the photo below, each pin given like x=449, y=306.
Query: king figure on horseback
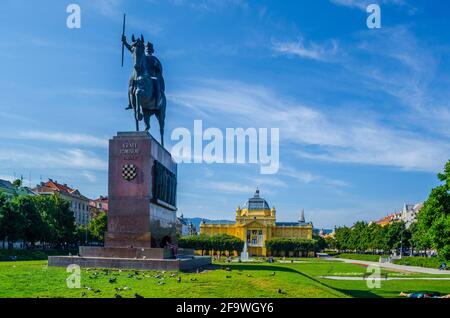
x=146, y=87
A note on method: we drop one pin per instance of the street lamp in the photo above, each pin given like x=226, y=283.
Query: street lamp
x=401, y=244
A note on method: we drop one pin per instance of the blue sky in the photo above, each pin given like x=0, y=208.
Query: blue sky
x=363, y=114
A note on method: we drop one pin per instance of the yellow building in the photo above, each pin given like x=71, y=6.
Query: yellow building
x=256, y=223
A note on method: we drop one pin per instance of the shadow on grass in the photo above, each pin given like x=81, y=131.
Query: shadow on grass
x=275, y=268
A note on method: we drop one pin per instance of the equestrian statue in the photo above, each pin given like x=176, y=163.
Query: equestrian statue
x=146, y=88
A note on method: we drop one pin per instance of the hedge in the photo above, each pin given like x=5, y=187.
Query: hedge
x=31, y=255
x=362, y=257
x=430, y=262
x=294, y=245
x=220, y=243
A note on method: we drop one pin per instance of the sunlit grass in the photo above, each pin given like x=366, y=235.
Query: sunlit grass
x=235, y=280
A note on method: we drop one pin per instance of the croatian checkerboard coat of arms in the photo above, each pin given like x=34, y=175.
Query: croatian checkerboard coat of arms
x=129, y=172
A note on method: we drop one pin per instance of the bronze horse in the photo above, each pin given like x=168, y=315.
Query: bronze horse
x=144, y=96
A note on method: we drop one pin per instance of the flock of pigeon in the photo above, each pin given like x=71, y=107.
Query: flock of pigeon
x=112, y=276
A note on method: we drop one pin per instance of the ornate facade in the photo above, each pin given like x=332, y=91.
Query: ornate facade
x=256, y=223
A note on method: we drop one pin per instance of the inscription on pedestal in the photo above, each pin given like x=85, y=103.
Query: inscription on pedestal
x=130, y=150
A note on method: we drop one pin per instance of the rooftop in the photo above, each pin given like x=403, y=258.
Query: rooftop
x=256, y=203
x=63, y=188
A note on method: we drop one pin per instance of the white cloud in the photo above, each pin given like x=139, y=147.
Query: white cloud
x=107, y=7
x=30, y=158
x=308, y=177
x=270, y=181
x=212, y=5
x=362, y=4
x=63, y=138
x=89, y=176
x=97, y=92
x=229, y=187
x=312, y=51
x=7, y=177
x=342, y=137
x=394, y=61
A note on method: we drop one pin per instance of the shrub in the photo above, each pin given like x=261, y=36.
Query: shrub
x=31, y=255
x=430, y=262
x=362, y=257
x=296, y=245
x=220, y=243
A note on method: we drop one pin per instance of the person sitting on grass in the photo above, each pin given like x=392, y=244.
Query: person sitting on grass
x=442, y=267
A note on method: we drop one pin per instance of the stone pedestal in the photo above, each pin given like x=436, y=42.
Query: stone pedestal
x=142, y=210
x=136, y=216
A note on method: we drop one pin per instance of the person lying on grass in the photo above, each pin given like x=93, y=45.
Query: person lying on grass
x=423, y=295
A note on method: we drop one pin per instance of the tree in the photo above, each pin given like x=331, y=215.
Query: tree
x=331, y=242
x=60, y=223
x=396, y=236
x=342, y=237
x=17, y=183
x=299, y=246
x=98, y=226
x=374, y=237
x=358, y=238
x=3, y=202
x=82, y=234
x=225, y=242
x=219, y=243
x=45, y=206
x=434, y=218
x=64, y=220
x=200, y=242
x=321, y=242
x=13, y=222
x=34, y=225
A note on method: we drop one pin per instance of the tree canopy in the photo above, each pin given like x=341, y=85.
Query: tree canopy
x=46, y=219
x=433, y=221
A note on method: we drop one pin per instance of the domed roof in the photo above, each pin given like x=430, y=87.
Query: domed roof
x=256, y=203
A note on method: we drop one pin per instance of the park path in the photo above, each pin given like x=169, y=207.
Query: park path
x=406, y=268
x=383, y=278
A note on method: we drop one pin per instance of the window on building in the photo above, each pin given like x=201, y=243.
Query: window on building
x=260, y=238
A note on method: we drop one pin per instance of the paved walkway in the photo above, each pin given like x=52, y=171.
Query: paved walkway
x=406, y=268
x=383, y=278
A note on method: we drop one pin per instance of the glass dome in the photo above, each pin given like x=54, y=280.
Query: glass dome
x=256, y=203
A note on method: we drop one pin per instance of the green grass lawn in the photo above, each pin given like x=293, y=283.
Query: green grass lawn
x=430, y=262
x=361, y=257
x=35, y=279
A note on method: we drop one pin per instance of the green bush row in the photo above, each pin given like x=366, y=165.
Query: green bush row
x=298, y=246
x=430, y=262
x=31, y=255
x=362, y=257
x=219, y=243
